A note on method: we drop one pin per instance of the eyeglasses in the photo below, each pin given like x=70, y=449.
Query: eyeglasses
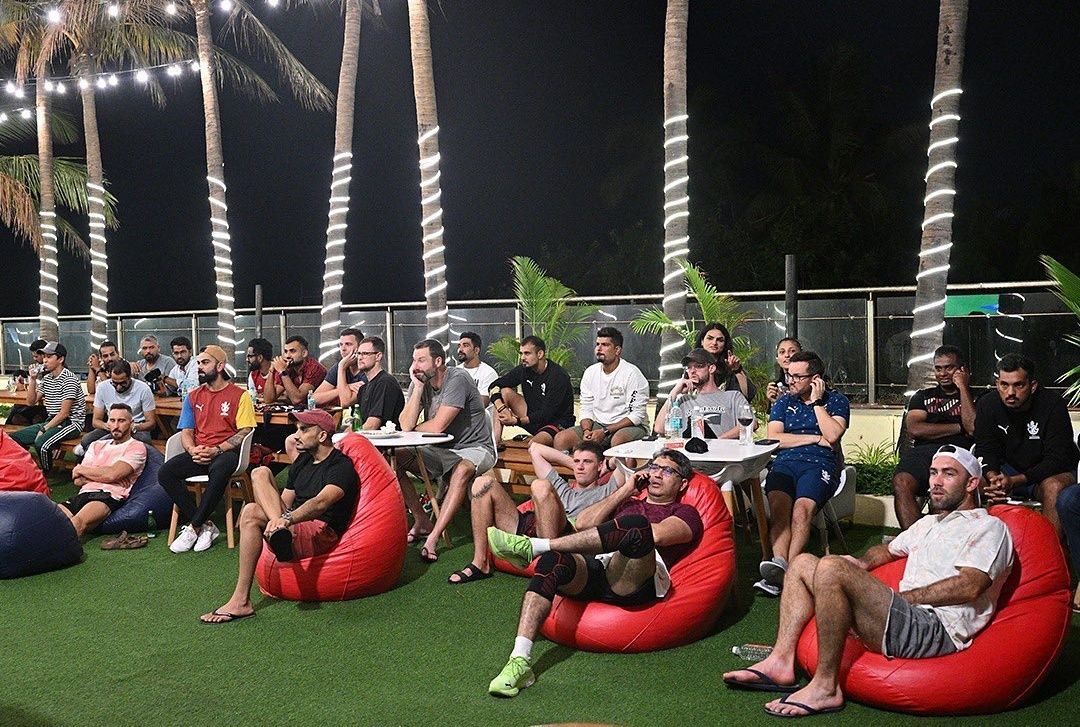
x=800, y=377
x=664, y=469
x=366, y=353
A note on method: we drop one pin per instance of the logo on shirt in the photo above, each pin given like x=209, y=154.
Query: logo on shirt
x=1033, y=429
x=199, y=407
x=792, y=410
x=543, y=389
x=1004, y=429
x=224, y=408
x=617, y=391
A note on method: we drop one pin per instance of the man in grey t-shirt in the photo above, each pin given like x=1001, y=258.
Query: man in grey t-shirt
x=120, y=388
x=556, y=503
x=451, y=404
x=698, y=389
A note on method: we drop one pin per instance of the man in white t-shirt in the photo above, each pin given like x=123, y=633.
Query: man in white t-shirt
x=106, y=474
x=468, y=356
x=614, y=394
x=958, y=560
x=120, y=388
x=185, y=370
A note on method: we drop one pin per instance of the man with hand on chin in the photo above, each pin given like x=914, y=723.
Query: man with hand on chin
x=347, y=376
x=214, y=419
x=306, y=519
x=295, y=374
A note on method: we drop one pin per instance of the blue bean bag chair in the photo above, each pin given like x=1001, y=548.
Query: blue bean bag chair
x=146, y=495
x=35, y=535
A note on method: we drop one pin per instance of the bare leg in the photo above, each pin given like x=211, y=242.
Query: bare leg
x=535, y=608
x=89, y=517
x=1047, y=492
x=544, y=438
x=566, y=440
x=626, y=434
x=905, y=502
x=802, y=515
x=460, y=479
x=421, y=522
x=780, y=506
x=550, y=514
x=265, y=490
x=489, y=505
x=253, y=522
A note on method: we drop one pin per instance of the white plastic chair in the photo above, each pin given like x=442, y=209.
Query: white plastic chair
x=238, y=489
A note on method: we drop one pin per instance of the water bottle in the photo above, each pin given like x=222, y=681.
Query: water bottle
x=311, y=399
x=673, y=430
x=252, y=391
x=752, y=652
x=697, y=422
x=151, y=525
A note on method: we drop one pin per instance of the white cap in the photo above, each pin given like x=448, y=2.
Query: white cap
x=963, y=457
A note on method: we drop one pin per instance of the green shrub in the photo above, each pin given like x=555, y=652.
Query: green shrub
x=874, y=464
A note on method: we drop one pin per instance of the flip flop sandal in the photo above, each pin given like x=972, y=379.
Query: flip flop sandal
x=412, y=538
x=764, y=683
x=114, y=542
x=428, y=556
x=123, y=541
x=807, y=709
x=229, y=618
x=468, y=574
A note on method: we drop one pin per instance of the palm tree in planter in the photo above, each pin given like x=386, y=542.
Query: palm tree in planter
x=548, y=312
x=1067, y=284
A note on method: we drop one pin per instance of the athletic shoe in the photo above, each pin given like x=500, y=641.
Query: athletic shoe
x=773, y=571
x=185, y=540
x=767, y=589
x=514, y=677
x=516, y=549
x=79, y=451
x=207, y=536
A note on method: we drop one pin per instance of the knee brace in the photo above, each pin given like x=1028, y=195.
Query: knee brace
x=631, y=535
x=552, y=570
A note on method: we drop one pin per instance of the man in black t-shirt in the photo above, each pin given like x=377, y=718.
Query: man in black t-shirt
x=306, y=519
x=545, y=405
x=380, y=400
x=944, y=414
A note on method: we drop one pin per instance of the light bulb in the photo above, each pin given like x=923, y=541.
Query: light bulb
x=114, y=10
x=53, y=15
x=170, y=9
x=142, y=76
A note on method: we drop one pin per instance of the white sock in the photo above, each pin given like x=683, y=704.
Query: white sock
x=540, y=545
x=522, y=648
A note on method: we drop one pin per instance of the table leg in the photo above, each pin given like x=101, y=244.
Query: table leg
x=759, y=510
x=430, y=490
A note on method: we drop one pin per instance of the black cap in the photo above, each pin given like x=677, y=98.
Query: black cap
x=52, y=347
x=700, y=356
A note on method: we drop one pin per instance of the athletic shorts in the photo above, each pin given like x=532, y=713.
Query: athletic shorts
x=526, y=524
x=634, y=432
x=440, y=461
x=914, y=632
x=312, y=537
x=916, y=462
x=82, y=499
x=597, y=588
x=809, y=480
x=551, y=429
x=1028, y=490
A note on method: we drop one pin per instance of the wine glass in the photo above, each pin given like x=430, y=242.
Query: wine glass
x=746, y=420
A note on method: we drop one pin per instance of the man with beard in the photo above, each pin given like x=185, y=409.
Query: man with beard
x=107, y=472
x=295, y=374
x=97, y=363
x=450, y=404
x=152, y=360
x=121, y=389
x=545, y=405
x=614, y=394
x=379, y=400
x=60, y=391
x=185, y=370
x=259, y=354
x=33, y=413
x=958, y=559
x=944, y=414
x=307, y=518
x=468, y=355
x=347, y=375
x=698, y=389
x=214, y=419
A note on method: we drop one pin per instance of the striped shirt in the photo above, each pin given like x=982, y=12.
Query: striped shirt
x=65, y=386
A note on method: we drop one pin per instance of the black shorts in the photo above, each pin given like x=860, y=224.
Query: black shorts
x=597, y=588
x=526, y=525
x=81, y=500
x=551, y=429
x=916, y=462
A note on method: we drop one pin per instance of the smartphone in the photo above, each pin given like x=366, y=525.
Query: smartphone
x=650, y=438
x=767, y=442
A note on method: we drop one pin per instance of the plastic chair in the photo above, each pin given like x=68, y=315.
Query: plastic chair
x=238, y=489
x=840, y=505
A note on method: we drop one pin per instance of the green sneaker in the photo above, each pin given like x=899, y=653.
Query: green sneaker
x=516, y=549
x=514, y=677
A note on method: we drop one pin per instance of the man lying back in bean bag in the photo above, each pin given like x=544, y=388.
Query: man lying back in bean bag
x=958, y=560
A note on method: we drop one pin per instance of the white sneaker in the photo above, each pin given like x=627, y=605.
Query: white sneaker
x=184, y=540
x=207, y=536
x=79, y=451
x=773, y=571
x=767, y=589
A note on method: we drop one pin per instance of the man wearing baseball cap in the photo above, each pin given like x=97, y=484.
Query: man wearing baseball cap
x=307, y=518
x=214, y=419
x=60, y=391
x=958, y=558
x=698, y=388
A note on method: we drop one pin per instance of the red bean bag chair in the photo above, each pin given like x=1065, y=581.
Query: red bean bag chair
x=18, y=472
x=1005, y=662
x=368, y=558
x=700, y=584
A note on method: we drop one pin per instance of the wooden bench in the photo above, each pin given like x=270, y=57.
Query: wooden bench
x=515, y=460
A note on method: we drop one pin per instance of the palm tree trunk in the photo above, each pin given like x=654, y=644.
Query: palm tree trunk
x=48, y=307
x=334, y=267
x=427, y=126
x=932, y=278
x=95, y=193
x=215, y=178
x=676, y=198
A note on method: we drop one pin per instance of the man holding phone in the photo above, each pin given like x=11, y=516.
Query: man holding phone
x=808, y=422
x=943, y=414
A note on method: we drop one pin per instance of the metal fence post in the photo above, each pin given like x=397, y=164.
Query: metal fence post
x=194, y=333
x=120, y=336
x=519, y=324
x=388, y=339
x=871, y=360
x=3, y=351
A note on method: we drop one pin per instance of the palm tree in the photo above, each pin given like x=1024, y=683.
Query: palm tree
x=49, y=296
x=427, y=127
x=932, y=278
x=334, y=266
x=676, y=182
x=1067, y=285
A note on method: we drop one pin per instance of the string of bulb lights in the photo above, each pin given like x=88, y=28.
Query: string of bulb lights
x=333, y=278
x=676, y=208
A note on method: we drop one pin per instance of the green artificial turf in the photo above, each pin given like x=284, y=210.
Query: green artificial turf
x=116, y=640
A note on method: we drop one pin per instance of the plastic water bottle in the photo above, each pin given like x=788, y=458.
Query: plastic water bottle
x=311, y=399
x=697, y=422
x=674, y=427
x=752, y=652
x=151, y=525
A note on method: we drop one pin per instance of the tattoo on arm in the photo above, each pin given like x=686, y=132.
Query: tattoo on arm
x=237, y=439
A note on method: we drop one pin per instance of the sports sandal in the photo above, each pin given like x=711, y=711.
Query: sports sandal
x=468, y=574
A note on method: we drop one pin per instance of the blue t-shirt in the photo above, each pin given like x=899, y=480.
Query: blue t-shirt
x=798, y=418
x=331, y=376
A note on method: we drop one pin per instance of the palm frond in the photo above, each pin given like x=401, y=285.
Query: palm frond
x=71, y=239
x=18, y=208
x=505, y=351
x=1066, y=282
x=652, y=320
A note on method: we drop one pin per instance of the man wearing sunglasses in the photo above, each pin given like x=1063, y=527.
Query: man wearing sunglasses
x=958, y=559
x=620, y=554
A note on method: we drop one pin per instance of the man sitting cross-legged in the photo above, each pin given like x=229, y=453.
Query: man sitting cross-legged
x=305, y=519
x=621, y=555
x=106, y=474
x=556, y=504
x=545, y=405
x=958, y=560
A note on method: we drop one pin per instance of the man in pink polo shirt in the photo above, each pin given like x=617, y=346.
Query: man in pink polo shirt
x=107, y=472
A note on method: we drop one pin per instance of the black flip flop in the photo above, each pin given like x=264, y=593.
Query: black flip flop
x=412, y=538
x=428, y=556
x=809, y=711
x=280, y=541
x=230, y=617
x=1076, y=608
x=468, y=574
x=765, y=683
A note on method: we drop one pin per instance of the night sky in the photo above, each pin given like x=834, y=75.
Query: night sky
x=529, y=95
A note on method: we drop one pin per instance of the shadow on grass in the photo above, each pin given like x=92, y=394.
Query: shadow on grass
x=551, y=658
x=1066, y=671
x=16, y=717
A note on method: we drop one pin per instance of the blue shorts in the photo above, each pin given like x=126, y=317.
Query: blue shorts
x=811, y=480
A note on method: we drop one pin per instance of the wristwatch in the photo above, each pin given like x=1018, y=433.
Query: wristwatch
x=606, y=431
x=819, y=402
x=287, y=516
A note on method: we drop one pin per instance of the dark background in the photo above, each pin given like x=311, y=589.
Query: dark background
x=551, y=141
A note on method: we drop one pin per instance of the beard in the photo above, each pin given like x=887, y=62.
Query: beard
x=210, y=377
x=461, y=357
